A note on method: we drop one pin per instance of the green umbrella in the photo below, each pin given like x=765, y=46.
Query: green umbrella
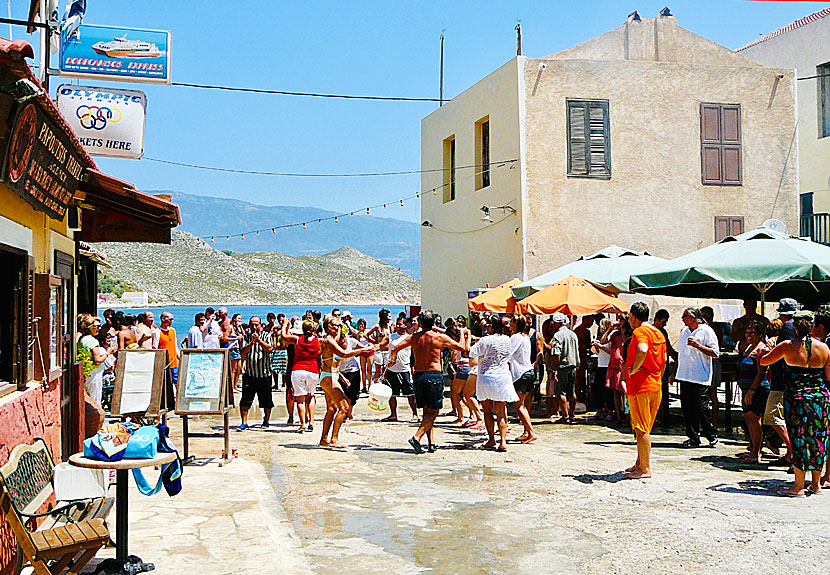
x=761, y=263
x=609, y=269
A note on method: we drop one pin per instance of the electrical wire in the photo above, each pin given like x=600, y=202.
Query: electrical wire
x=432, y=227
x=308, y=94
x=367, y=209
x=306, y=175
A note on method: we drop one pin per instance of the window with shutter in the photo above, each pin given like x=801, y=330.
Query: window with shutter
x=823, y=73
x=449, y=169
x=726, y=226
x=589, y=150
x=720, y=144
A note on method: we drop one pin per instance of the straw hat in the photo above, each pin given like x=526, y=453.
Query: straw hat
x=297, y=328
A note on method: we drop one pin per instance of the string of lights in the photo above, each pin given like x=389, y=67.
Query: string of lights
x=321, y=175
x=368, y=209
x=307, y=94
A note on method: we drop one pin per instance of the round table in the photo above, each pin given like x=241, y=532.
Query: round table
x=121, y=489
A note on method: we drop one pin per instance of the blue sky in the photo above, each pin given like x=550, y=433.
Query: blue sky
x=373, y=48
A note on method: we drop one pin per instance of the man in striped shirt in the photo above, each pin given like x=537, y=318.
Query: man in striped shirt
x=256, y=377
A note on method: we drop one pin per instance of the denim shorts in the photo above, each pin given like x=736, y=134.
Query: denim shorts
x=235, y=353
x=462, y=371
x=429, y=389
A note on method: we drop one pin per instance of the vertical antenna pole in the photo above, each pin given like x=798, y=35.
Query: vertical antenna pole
x=519, y=39
x=441, y=85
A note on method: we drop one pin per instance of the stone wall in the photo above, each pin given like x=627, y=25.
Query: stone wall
x=25, y=415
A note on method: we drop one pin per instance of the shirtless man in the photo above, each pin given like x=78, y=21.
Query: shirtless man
x=144, y=330
x=428, y=382
x=126, y=337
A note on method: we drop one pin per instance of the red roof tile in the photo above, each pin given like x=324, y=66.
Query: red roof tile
x=788, y=28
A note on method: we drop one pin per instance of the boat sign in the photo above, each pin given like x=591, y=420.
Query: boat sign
x=108, y=122
x=111, y=53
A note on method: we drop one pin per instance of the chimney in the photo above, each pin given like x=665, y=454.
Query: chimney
x=665, y=36
x=635, y=38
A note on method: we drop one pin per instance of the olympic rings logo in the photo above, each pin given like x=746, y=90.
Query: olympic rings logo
x=97, y=117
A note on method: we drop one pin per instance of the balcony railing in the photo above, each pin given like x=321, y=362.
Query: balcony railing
x=816, y=227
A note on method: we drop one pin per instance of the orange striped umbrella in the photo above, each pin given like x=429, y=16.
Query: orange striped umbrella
x=499, y=299
x=571, y=296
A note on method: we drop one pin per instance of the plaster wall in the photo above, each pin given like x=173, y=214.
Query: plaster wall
x=803, y=49
x=460, y=251
x=654, y=200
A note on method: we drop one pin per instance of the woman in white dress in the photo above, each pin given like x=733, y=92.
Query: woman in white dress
x=494, y=386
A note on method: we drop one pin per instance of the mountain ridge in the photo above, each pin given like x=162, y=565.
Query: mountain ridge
x=393, y=241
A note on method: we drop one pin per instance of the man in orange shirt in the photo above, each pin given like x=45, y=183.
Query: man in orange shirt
x=644, y=367
x=167, y=340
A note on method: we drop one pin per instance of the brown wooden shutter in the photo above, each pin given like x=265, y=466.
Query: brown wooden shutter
x=577, y=140
x=720, y=144
x=721, y=227
x=597, y=149
x=40, y=350
x=736, y=225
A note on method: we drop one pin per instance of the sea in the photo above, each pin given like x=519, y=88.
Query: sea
x=183, y=314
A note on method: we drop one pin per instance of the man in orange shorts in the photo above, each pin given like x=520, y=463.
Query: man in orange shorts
x=644, y=367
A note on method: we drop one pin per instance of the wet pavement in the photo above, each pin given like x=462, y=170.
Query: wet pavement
x=559, y=505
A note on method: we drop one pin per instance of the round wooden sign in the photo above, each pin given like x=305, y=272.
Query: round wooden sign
x=22, y=142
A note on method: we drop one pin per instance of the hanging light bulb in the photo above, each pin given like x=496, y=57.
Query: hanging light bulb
x=211, y=240
x=243, y=237
x=335, y=219
x=367, y=211
x=401, y=203
x=318, y=221
x=351, y=214
x=257, y=232
x=435, y=192
x=227, y=237
x=384, y=206
x=273, y=230
x=303, y=226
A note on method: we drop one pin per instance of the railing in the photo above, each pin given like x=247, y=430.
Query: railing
x=816, y=227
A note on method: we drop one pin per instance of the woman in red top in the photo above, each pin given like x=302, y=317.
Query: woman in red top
x=305, y=372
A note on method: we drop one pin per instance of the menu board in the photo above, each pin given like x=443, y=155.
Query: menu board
x=203, y=381
x=139, y=382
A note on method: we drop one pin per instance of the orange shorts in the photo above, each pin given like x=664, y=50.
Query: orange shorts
x=644, y=408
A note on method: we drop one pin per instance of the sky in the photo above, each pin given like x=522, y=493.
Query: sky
x=377, y=48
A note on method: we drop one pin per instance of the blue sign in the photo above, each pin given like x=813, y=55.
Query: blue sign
x=112, y=53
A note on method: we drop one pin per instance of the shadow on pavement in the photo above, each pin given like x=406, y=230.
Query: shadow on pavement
x=589, y=478
x=730, y=463
x=764, y=487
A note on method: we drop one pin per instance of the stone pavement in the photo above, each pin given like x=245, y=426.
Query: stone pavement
x=557, y=506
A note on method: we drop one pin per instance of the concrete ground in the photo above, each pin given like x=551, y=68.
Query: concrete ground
x=558, y=505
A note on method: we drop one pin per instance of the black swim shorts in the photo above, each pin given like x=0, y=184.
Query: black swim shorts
x=429, y=389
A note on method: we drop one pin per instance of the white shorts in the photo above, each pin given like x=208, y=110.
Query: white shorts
x=382, y=357
x=304, y=382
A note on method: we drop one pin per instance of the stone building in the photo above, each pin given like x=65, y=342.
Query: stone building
x=648, y=136
x=805, y=46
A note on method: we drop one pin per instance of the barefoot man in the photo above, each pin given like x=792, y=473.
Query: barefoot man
x=428, y=382
x=645, y=364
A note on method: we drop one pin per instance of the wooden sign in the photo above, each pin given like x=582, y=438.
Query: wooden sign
x=203, y=382
x=41, y=164
x=139, y=382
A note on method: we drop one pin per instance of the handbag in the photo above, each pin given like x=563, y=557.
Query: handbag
x=171, y=473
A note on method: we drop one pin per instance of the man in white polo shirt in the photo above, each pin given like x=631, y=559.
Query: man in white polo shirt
x=696, y=347
x=398, y=374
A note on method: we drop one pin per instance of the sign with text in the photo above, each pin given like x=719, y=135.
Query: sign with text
x=41, y=164
x=113, y=53
x=107, y=122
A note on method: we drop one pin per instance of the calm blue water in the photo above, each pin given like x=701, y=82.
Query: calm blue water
x=183, y=314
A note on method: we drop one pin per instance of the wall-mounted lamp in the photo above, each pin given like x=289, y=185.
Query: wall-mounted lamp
x=22, y=90
x=427, y=224
x=488, y=209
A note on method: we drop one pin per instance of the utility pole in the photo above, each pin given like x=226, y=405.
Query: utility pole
x=44, y=45
x=519, y=39
x=441, y=85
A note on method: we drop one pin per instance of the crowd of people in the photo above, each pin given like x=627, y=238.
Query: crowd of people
x=499, y=361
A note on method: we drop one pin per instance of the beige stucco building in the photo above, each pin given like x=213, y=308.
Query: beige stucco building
x=649, y=137
x=805, y=46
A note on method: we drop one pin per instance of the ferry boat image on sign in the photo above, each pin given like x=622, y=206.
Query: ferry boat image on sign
x=124, y=48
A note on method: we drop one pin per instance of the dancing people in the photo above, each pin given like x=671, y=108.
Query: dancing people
x=305, y=369
x=337, y=404
x=524, y=376
x=426, y=345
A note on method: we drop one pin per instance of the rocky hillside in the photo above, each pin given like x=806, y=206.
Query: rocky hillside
x=189, y=271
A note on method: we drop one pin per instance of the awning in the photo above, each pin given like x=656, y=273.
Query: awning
x=113, y=210
x=96, y=255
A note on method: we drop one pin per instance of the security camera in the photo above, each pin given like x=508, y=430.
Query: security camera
x=541, y=66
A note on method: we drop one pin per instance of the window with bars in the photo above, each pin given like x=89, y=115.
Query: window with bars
x=589, y=139
x=823, y=73
x=720, y=144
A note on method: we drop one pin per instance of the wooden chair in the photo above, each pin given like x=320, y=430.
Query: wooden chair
x=71, y=528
